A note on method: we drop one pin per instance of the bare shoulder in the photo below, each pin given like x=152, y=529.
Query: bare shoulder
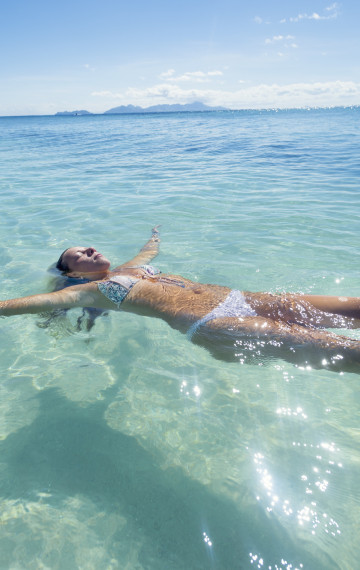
x=83, y=294
x=86, y=295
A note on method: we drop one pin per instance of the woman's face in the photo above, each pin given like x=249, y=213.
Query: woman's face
x=84, y=260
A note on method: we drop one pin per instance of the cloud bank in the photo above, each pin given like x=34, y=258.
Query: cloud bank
x=318, y=94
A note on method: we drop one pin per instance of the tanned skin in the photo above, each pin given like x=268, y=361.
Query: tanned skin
x=287, y=321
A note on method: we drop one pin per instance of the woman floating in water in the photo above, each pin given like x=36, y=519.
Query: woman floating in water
x=232, y=324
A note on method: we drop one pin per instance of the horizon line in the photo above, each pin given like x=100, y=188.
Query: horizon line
x=210, y=110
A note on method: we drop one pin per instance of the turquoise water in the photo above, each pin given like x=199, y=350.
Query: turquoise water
x=127, y=446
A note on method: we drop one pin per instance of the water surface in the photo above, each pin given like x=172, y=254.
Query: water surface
x=128, y=446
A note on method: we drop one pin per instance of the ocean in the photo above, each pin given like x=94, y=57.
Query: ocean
x=126, y=446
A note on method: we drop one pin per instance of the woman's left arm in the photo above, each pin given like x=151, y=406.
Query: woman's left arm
x=146, y=253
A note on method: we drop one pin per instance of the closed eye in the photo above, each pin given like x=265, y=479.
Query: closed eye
x=79, y=254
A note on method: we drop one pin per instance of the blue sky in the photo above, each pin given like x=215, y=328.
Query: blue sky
x=97, y=54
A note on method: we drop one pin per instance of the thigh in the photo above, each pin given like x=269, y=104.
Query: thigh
x=347, y=307
x=306, y=310
x=258, y=340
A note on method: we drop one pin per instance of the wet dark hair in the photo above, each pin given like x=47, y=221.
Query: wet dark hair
x=56, y=320
x=60, y=265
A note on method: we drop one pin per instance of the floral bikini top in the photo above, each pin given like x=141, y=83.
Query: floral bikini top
x=119, y=286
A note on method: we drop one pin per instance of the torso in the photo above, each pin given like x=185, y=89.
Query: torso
x=181, y=302
x=175, y=299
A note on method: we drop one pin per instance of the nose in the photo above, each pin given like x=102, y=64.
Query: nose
x=90, y=251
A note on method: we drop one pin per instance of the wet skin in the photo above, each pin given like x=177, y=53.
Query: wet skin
x=287, y=320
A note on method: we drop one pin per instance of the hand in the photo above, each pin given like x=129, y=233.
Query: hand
x=155, y=233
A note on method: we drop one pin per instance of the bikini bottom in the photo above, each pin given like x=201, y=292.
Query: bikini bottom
x=233, y=306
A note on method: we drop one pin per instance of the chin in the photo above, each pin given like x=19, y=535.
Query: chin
x=105, y=265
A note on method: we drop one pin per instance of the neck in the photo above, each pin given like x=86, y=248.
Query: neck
x=93, y=276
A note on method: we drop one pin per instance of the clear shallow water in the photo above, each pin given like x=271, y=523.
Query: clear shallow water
x=128, y=446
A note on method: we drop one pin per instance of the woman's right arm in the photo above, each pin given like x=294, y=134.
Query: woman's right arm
x=76, y=296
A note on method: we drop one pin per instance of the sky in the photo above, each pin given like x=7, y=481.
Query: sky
x=59, y=55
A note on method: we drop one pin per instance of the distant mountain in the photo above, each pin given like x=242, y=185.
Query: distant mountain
x=126, y=109
x=188, y=107
x=73, y=113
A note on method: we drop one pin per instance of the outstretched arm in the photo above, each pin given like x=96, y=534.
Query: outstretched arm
x=76, y=296
x=146, y=253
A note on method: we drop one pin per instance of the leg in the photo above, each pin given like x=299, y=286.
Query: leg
x=345, y=306
x=258, y=340
x=307, y=310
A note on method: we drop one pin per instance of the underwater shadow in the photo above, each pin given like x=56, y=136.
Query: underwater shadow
x=70, y=450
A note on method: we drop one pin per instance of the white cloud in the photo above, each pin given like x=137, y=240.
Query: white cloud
x=313, y=16
x=195, y=76
x=278, y=39
x=331, y=12
x=273, y=39
x=167, y=74
x=256, y=97
x=332, y=8
x=108, y=94
x=259, y=20
x=284, y=40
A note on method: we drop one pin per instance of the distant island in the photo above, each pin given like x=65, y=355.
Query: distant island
x=176, y=108
x=73, y=113
x=128, y=109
